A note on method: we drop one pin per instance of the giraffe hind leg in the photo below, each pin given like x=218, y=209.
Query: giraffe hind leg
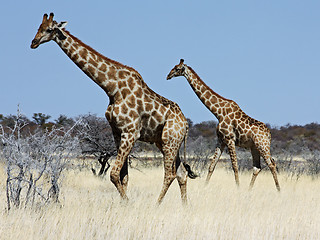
x=168, y=173
x=169, y=176
x=173, y=169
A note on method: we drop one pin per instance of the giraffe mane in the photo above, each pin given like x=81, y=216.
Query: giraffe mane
x=100, y=55
x=202, y=82
x=164, y=100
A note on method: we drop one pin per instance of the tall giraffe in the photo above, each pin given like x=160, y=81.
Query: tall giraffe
x=135, y=112
x=235, y=128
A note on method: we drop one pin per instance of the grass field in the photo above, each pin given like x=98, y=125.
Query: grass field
x=91, y=209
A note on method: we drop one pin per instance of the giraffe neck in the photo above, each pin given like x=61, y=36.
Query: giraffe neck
x=102, y=70
x=208, y=97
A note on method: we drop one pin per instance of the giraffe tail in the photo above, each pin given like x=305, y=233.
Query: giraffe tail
x=191, y=174
x=185, y=144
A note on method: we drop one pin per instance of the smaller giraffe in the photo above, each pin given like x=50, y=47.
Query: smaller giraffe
x=235, y=128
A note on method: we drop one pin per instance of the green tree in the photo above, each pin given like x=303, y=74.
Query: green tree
x=40, y=118
x=63, y=120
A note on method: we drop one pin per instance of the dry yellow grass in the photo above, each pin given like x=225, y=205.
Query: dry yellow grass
x=91, y=209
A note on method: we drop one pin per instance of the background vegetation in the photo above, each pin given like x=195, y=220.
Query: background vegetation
x=53, y=185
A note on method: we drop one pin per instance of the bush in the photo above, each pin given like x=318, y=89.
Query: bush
x=34, y=162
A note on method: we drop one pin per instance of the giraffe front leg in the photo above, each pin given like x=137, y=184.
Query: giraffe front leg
x=119, y=172
x=256, y=165
x=272, y=166
x=254, y=176
x=234, y=162
x=265, y=153
x=124, y=176
x=215, y=159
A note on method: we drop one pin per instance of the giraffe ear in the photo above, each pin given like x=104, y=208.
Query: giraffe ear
x=61, y=36
x=62, y=24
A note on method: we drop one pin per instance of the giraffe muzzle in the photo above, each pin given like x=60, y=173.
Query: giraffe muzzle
x=34, y=43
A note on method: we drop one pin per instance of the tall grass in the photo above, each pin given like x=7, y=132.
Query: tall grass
x=91, y=208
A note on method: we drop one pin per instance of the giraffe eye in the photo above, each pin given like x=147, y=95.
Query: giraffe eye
x=49, y=30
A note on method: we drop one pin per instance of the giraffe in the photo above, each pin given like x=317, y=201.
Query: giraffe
x=235, y=128
x=135, y=112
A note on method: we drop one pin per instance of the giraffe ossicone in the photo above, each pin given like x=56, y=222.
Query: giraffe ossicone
x=235, y=128
x=135, y=112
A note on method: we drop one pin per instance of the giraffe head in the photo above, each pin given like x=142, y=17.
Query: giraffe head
x=178, y=70
x=48, y=30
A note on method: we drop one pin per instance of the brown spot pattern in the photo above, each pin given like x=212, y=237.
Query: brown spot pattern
x=162, y=123
x=234, y=128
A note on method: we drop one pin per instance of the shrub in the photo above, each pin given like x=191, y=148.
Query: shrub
x=34, y=162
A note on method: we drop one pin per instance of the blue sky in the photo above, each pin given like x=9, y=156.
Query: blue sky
x=265, y=55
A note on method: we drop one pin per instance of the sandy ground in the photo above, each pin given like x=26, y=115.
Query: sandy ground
x=91, y=208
